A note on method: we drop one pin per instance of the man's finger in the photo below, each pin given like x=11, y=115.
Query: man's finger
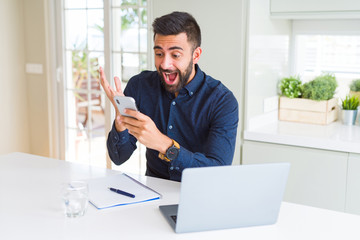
x=130, y=121
x=135, y=114
x=131, y=125
x=118, y=86
x=104, y=83
x=102, y=76
x=112, y=92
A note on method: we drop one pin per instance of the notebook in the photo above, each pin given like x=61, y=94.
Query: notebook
x=222, y=197
x=101, y=197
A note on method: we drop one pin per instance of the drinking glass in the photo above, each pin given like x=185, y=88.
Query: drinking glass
x=75, y=196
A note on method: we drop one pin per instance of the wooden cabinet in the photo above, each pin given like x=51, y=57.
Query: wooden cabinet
x=317, y=177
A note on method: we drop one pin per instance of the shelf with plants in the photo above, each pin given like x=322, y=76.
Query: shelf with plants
x=312, y=102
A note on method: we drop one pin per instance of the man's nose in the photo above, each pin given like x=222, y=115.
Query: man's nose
x=166, y=62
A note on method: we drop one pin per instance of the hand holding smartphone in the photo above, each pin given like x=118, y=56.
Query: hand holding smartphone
x=124, y=102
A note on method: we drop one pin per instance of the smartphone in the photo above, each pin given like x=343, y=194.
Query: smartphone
x=124, y=102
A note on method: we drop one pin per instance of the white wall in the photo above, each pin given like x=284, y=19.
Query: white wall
x=268, y=56
x=223, y=40
x=23, y=97
x=14, y=121
x=35, y=52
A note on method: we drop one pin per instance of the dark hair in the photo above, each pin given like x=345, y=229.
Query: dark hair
x=176, y=23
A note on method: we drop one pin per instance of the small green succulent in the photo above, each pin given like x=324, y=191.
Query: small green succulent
x=350, y=103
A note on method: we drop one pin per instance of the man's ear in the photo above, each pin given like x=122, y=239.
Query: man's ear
x=196, y=55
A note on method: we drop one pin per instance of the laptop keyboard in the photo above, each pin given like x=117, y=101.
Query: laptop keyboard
x=173, y=217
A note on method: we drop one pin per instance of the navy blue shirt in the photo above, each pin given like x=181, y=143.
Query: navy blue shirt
x=203, y=119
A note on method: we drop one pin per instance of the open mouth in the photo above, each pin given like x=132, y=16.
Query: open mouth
x=170, y=78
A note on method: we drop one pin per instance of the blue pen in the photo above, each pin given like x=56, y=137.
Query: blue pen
x=122, y=192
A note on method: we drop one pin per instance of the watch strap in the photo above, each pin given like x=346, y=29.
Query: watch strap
x=163, y=156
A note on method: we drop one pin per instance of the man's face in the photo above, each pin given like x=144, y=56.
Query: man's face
x=175, y=60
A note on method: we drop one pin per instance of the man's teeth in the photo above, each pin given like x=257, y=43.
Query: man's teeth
x=167, y=75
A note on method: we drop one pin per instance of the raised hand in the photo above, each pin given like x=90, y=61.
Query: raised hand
x=111, y=93
x=141, y=126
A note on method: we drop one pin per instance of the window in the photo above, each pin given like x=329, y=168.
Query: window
x=85, y=47
x=84, y=101
x=328, y=46
x=129, y=51
x=129, y=37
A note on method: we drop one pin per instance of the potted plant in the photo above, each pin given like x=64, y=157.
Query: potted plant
x=321, y=88
x=355, y=88
x=349, y=109
x=291, y=87
x=312, y=102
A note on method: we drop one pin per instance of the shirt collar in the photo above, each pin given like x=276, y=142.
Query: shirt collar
x=195, y=83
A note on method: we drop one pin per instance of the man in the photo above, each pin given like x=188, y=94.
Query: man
x=186, y=118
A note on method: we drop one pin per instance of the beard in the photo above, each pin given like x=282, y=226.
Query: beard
x=183, y=78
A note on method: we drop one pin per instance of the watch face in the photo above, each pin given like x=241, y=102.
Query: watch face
x=172, y=153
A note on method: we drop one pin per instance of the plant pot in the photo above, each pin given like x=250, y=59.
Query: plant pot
x=349, y=116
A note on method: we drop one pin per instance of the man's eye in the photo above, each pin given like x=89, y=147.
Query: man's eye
x=176, y=55
x=158, y=54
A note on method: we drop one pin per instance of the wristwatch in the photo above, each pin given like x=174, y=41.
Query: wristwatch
x=171, y=153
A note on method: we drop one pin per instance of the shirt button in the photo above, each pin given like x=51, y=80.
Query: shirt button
x=191, y=93
x=174, y=103
x=170, y=127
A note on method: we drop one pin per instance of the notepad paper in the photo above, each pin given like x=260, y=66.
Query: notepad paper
x=101, y=197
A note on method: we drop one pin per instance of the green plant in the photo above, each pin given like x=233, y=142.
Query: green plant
x=355, y=85
x=350, y=103
x=291, y=87
x=321, y=88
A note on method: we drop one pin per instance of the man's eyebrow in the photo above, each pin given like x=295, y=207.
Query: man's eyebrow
x=176, y=48
x=172, y=48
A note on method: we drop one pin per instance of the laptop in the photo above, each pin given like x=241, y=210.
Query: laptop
x=222, y=197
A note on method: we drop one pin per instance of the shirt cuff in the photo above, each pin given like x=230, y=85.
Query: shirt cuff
x=180, y=163
x=119, y=138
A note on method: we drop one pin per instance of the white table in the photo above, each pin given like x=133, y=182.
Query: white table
x=30, y=208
